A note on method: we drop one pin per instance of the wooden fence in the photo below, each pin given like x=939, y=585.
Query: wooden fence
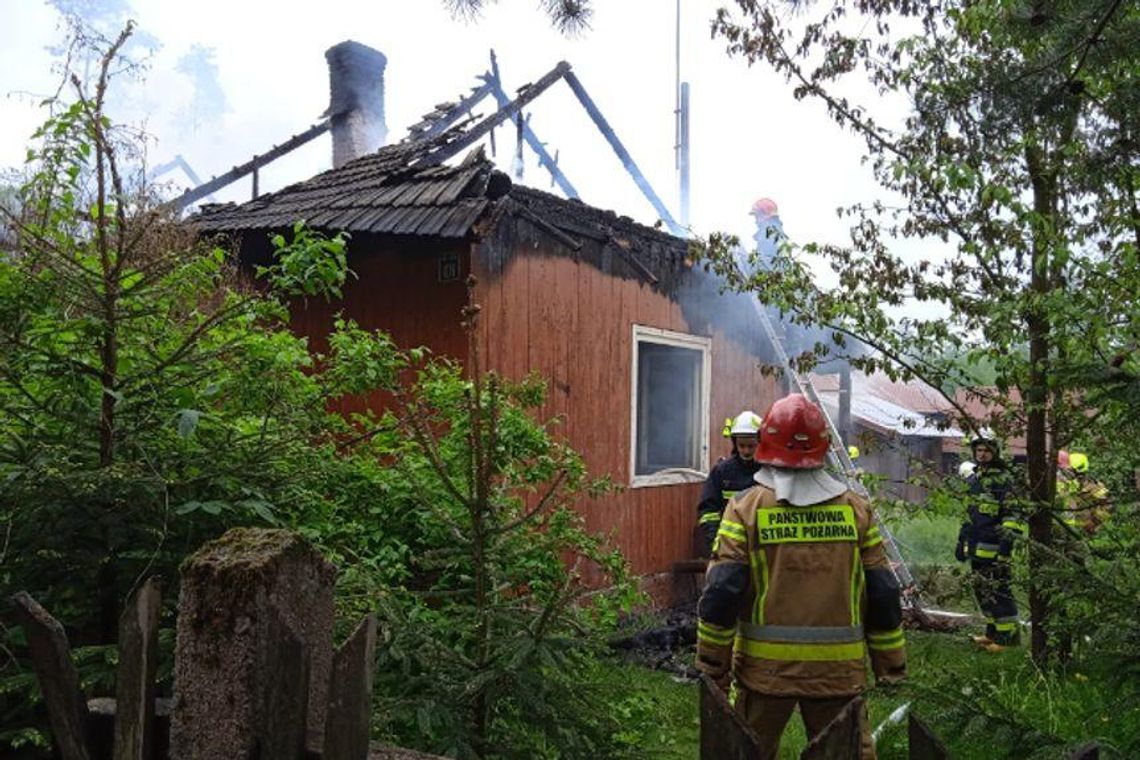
x=247, y=692
x=256, y=677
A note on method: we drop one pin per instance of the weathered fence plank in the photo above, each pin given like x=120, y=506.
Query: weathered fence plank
x=280, y=734
x=922, y=743
x=724, y=735
x=350, y=695
x=839, y=740
x=138, y=659
x=55, y=671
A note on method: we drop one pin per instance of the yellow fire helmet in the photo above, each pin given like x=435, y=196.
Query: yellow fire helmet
x=1078, y=461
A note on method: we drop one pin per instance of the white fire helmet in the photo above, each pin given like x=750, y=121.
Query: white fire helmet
x=745, y=423
x=966, y=469
x=986, y=437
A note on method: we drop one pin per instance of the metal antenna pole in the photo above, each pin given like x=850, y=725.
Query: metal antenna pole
x=681, y=130
x=684, y=154
x=677, y=91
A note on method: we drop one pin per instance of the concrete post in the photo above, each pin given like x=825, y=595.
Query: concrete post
x=238, y=592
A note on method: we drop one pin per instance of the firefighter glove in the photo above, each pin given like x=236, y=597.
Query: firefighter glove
x=960, y=552
x=708, y=533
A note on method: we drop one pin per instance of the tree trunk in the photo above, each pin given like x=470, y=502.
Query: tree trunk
x=1036, y=395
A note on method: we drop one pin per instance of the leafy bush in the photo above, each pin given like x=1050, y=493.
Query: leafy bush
x=152, y=398
x=490, y=639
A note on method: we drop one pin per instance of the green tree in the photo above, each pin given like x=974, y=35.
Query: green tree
x=568, y=16
x=152, y=396
x=146, y=391
x=1017, y=156
x=490, y=647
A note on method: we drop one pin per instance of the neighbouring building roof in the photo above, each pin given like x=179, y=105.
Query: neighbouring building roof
x=980, y=404
x=910, y=408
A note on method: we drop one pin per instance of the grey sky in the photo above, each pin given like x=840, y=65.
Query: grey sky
x=749, y=136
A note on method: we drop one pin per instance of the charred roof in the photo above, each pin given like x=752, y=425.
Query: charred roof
x=401, y=190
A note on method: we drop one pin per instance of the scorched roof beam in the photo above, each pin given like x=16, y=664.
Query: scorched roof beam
x=453, y=114
x=626, y=159
x=477, y=132
x=251, y=166
x=544, y=158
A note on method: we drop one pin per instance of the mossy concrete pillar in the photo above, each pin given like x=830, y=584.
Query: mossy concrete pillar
x=255, y=619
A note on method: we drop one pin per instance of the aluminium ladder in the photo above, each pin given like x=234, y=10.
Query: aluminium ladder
x=839, y=455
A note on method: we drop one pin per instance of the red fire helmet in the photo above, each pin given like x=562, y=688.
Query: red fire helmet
x=1063, y=459
x=794, y=435
x=765, y=208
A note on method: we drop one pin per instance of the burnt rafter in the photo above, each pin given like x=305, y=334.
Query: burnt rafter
x=511, y=108
x=446, y=114
x=544, y=158
x=251, y=166
x=436, y=138
x=477, y=132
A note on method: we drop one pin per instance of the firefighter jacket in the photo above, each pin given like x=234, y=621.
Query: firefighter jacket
x=730, y=476
x=1085, y=504
x=796, y=596
x=994, y=517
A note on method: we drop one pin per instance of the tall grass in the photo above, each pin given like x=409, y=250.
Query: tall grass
x=983, y=706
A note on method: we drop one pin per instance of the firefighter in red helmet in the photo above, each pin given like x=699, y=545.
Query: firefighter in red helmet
x=799, y=589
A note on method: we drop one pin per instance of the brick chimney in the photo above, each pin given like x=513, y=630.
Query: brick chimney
x=356, y=100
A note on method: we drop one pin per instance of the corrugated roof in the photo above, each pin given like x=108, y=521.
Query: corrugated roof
x=914, y=395
x=904, y=408
x=888, y=417
x=981, y=404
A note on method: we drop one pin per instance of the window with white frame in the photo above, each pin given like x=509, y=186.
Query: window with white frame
x=670, y=406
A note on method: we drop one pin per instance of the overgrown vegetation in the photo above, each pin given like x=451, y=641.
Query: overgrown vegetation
x=153, y=396
x=1016, y=159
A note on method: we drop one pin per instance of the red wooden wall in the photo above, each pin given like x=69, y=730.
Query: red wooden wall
x=573, y=324
x=543, y=309
x=397, y=290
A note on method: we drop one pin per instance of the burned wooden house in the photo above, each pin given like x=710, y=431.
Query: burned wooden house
x=611, y=313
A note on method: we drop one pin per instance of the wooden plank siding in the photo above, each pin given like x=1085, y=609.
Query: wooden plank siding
x=569, y=318
x=396, y=289
x=573, y=323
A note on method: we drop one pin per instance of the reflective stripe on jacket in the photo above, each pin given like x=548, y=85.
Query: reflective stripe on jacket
x=993, y=516
x=728, y=477
x=785, y=598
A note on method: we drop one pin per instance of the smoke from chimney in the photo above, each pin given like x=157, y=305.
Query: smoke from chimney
x=356, y=100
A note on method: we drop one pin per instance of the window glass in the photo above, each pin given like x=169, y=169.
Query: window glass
x=670, y=404
x=669, y=392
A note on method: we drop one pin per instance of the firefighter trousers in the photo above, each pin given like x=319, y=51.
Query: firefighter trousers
x=995, y=598
x=768, y=715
